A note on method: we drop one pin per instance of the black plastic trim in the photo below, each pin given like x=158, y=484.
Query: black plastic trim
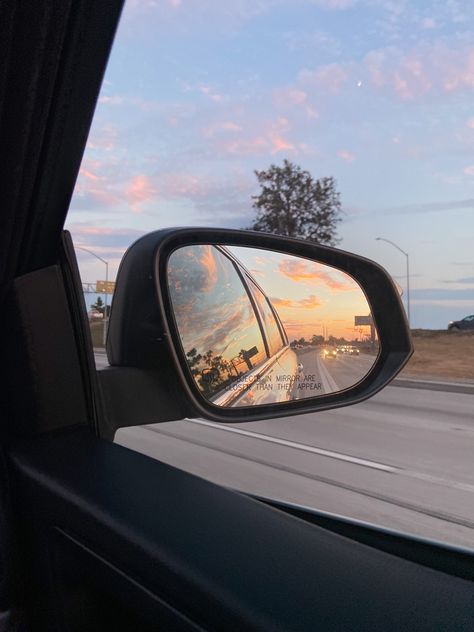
x=440, y=556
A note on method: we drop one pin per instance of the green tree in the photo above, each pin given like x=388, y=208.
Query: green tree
x=291, y=202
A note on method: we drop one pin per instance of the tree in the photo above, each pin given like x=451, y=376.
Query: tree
x=98, y=306
x=291, y=202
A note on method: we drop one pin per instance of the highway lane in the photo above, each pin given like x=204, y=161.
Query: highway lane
x=334, y=374
x=403, y=459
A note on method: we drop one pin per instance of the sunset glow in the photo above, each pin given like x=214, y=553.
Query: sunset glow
x=377, y=94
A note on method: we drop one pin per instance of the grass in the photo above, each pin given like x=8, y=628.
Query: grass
x=97, y=329
x=442, y=355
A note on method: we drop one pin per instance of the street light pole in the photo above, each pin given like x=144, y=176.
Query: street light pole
x=408, y=271
x=106, y=317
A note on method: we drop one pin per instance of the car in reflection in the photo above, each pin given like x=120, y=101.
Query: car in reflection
x=347, y=350
x=330, y=353
x=234, y=341
x=466, y=324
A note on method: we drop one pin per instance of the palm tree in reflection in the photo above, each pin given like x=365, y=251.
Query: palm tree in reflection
x=211, y=372
x=194, y=360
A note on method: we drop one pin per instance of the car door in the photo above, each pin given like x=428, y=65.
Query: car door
x=97, y=537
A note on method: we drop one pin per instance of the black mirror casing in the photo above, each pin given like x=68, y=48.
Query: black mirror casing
x=143, y=333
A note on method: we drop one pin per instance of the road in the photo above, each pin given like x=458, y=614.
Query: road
x=335, y=374
x=403, y=459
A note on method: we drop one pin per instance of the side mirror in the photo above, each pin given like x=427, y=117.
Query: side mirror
x=254, y=325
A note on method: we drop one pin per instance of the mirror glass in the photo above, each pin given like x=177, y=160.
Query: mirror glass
x=261, y=327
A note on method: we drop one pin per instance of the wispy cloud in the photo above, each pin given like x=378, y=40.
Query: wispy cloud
x=461, y=281
x=428, y=207
x=92, y=189
x=220, y=127
x=436, y=67
x=112, y=242
x=428, y=23
x=139, y=190
x=111, y=100
x=211, y=94
x=330, y=77
x=271, y=140
x=104, y=138
x=310, y=302
x=346, y=155
x=309, y=273
x=334, y=5
x=442, y=294
x=292, y=97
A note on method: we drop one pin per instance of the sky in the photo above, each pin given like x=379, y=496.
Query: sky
x=376, y=93
x=310, y=298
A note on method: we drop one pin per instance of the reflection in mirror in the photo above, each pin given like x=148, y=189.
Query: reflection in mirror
x=260, y=327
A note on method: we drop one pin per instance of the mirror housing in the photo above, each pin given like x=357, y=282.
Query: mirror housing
x=143, y=334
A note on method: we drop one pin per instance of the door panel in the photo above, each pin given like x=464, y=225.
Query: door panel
x=107, y=526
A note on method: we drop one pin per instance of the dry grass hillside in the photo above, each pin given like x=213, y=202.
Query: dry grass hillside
x=442, y=355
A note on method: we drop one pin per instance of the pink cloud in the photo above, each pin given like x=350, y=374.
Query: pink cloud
x=88, y=174
x=469, y=171
x=425, y=70
x=106, y=197
x=183, y=185
x=248, y=146
x=104, y=139
x=294, y=97
x=309, y=302
x=310, y=273
x=94, y=186
x=139, y=190
x=272, y=140
x=428, y=23
x=280, y=144
x=470, y=123
x=111, y=100
x=211, y=94
x=334, y=5
x=346, y=155
x=220, y=127
x=329, y=78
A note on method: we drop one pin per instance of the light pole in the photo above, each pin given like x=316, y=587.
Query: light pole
x=408, y=271
x=106, y=317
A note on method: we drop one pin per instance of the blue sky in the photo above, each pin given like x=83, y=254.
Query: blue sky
x=377, y=93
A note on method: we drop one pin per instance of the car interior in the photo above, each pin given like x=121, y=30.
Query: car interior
x=94, y=536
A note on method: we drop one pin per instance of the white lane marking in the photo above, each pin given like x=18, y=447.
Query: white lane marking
x=429, y=478
x=327, y=388
x=327, y=378
x=339, y=456
x=297, y=446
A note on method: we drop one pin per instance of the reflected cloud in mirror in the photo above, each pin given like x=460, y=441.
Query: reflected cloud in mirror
x=260, y=327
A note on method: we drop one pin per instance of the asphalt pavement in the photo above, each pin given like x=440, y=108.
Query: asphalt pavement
x=335, y=373
x=403, y=460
